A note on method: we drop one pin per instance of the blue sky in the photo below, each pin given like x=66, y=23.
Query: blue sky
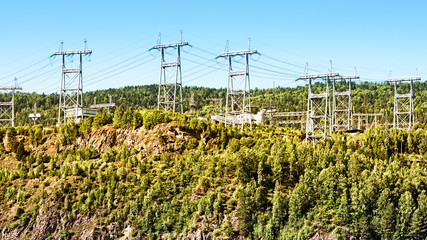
x=373, y=36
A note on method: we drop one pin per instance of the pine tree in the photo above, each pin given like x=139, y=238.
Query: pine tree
x=20, y=152
x=117, y=117
x=387, y=222
x=278, y=211
x=418, y=228
x=406, y=209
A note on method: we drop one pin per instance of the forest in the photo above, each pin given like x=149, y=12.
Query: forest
x=148, y=174
x=143, y=173
x=366, y=98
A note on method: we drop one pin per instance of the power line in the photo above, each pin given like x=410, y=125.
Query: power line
x=117, y=66
x=127, y=69
x=24, y=69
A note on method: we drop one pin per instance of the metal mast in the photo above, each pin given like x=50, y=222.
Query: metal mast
x=341, y=104
x=71, y=89
x=170, y=92
x=215, y=100
x=318, y=108
x=7, y=109
x=403, y=117
x=34, y=116
x=192, y=104
x=238, y=101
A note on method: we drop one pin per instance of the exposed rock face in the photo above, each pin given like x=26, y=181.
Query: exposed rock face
x=323, y=236
x=163, y=137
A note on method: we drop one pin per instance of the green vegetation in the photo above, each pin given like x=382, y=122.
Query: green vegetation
x=367, y=98
x=268, y=183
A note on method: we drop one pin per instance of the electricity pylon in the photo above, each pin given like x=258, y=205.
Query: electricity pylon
x=170, y=91
x=319, y=124
x=238, y=101
x=341, y=104
x=71, y=91
x=215, y=100
x=7, y=109
x=403, y=117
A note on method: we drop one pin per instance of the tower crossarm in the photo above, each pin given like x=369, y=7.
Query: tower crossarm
x=367, y=114
x=171, y=64
x=321, y=75
x=214, y=99
x=290, y=121
x=68, y=53
x=403, y=113
x=102, y=105
x=404, y=79
x=345, y=77
x=238, y=73
x=11, y=88
x=238, y=93
x=290, y=114
x=238, y=53
x=70, y=89
x=170, y=45
x=346, y=93
x=407, y=95
x=320, y=95
x=71, y=70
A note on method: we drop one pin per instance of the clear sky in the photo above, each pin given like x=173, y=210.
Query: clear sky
x=373, y=36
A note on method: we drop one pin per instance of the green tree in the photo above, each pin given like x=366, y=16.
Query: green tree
x=405, y=211
x=418, y=228
x=20, y=152
x=117, y=117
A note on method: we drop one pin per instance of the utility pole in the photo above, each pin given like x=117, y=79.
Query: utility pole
x=318, y=107
x=71, y=87
x=403, y=117
x=34, y=116
x=238, y=101
x=170, y=92
x=192, y=104
x=7, y=109
x=341, y=104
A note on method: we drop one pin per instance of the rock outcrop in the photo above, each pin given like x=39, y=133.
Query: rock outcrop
x=157, y=140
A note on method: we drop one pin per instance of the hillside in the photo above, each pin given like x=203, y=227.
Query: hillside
x=145, y=174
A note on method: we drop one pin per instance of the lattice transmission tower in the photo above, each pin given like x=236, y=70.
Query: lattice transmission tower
x=238, y=101
x=341, y=104
x=71, y=88
x=7, y=108
x=170, y=88
x=216, y=100
x=319, y=124
x=403, y=117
